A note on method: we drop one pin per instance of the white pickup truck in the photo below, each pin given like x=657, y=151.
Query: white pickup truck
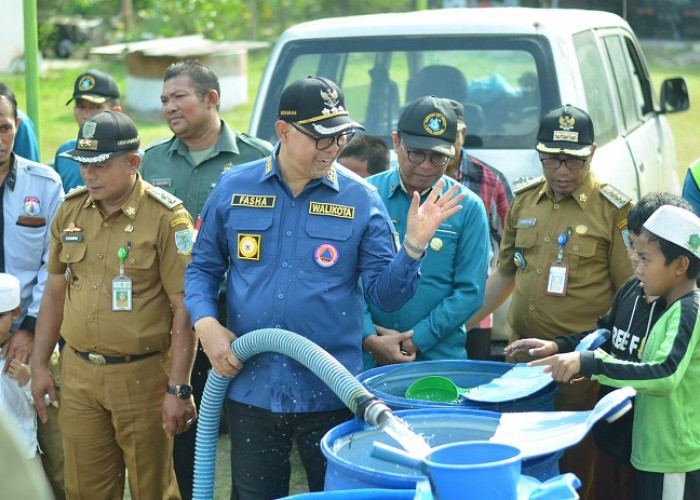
x=508, y=66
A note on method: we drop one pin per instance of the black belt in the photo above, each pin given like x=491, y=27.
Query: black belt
x=101, y=359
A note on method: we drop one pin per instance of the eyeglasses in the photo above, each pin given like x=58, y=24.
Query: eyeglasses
x=416, y=156
x=326, y=142
x=554, y=163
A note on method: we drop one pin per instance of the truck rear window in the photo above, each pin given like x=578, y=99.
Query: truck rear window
x=502, y=81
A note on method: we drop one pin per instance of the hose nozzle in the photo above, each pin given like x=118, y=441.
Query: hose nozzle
x=376, y=412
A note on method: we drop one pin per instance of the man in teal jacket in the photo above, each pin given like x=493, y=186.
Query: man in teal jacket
x=430, y=326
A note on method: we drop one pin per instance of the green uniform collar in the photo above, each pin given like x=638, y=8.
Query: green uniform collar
x=225, y=143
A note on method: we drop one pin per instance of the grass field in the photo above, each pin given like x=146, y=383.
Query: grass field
x=57, y=125
x=669, y=59
x=666, y=59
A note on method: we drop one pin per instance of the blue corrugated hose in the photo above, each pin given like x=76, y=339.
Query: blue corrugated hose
x=360, y=401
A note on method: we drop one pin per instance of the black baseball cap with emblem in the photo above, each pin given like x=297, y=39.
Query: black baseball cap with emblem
x=429, y=123
x=104, y=136
x=95, y=86
x=566, y=130
x=318, y=105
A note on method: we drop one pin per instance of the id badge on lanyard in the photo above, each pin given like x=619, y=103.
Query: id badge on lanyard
x=122, y=285
x=558, y=274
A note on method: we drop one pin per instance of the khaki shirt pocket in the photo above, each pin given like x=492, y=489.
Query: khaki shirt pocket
x=526, y=241
x=139, y=266
x=525, y=238
x=72, y=253
x=73, y=256
x=579, y=253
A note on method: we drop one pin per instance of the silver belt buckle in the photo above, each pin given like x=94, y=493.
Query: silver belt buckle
x=98, y=359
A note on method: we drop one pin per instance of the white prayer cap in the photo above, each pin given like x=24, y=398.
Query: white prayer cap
x=9, y=292
x=677, y=225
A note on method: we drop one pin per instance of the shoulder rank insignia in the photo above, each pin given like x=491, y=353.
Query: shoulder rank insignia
x=528, y=184
x=330, y=176
x=75, y=192
x=164, y=197
x=185, y=221
x=615, y=196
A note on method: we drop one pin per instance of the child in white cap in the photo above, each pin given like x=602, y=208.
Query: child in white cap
x=15, y=396
x=666, y=429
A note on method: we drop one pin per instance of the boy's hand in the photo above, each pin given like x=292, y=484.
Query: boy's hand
x=19, y=371
x=18, y=346
x=563, y=367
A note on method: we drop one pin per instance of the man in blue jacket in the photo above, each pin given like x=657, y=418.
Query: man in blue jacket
x=292, y=234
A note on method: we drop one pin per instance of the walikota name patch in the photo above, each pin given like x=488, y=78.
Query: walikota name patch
x=331, y=210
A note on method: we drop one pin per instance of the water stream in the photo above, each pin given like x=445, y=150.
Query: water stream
x=397, y=428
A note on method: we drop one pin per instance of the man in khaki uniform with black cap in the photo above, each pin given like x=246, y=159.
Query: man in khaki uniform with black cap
x=563, y=256
x=119, y=248
x=94, y=91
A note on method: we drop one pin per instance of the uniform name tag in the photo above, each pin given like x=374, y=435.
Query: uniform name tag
x=331, y=210
x=526, y=222
x=253, y=200
x=72, y=238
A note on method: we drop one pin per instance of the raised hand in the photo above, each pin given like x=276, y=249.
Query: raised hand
x=423, y=220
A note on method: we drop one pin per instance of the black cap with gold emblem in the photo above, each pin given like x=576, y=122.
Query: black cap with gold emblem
x=104, y=136
x=429, y=123
x=566, y=130
x=318, y=105
x=95, y=86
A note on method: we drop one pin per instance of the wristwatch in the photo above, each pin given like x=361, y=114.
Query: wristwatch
x=183, y=391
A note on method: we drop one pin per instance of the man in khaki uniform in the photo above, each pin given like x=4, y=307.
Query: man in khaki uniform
x=563, y=256
x=119, y=248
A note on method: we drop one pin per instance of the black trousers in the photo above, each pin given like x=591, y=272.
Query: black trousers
x=261, y=443
x=660, y=486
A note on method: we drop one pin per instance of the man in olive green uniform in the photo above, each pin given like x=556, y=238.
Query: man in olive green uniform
x=188, y=165
x=119, y=248
x=563, y=255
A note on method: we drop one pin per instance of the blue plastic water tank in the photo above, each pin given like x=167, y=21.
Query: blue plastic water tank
x=389, y=383
x=366, y=494
x=350, y=466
